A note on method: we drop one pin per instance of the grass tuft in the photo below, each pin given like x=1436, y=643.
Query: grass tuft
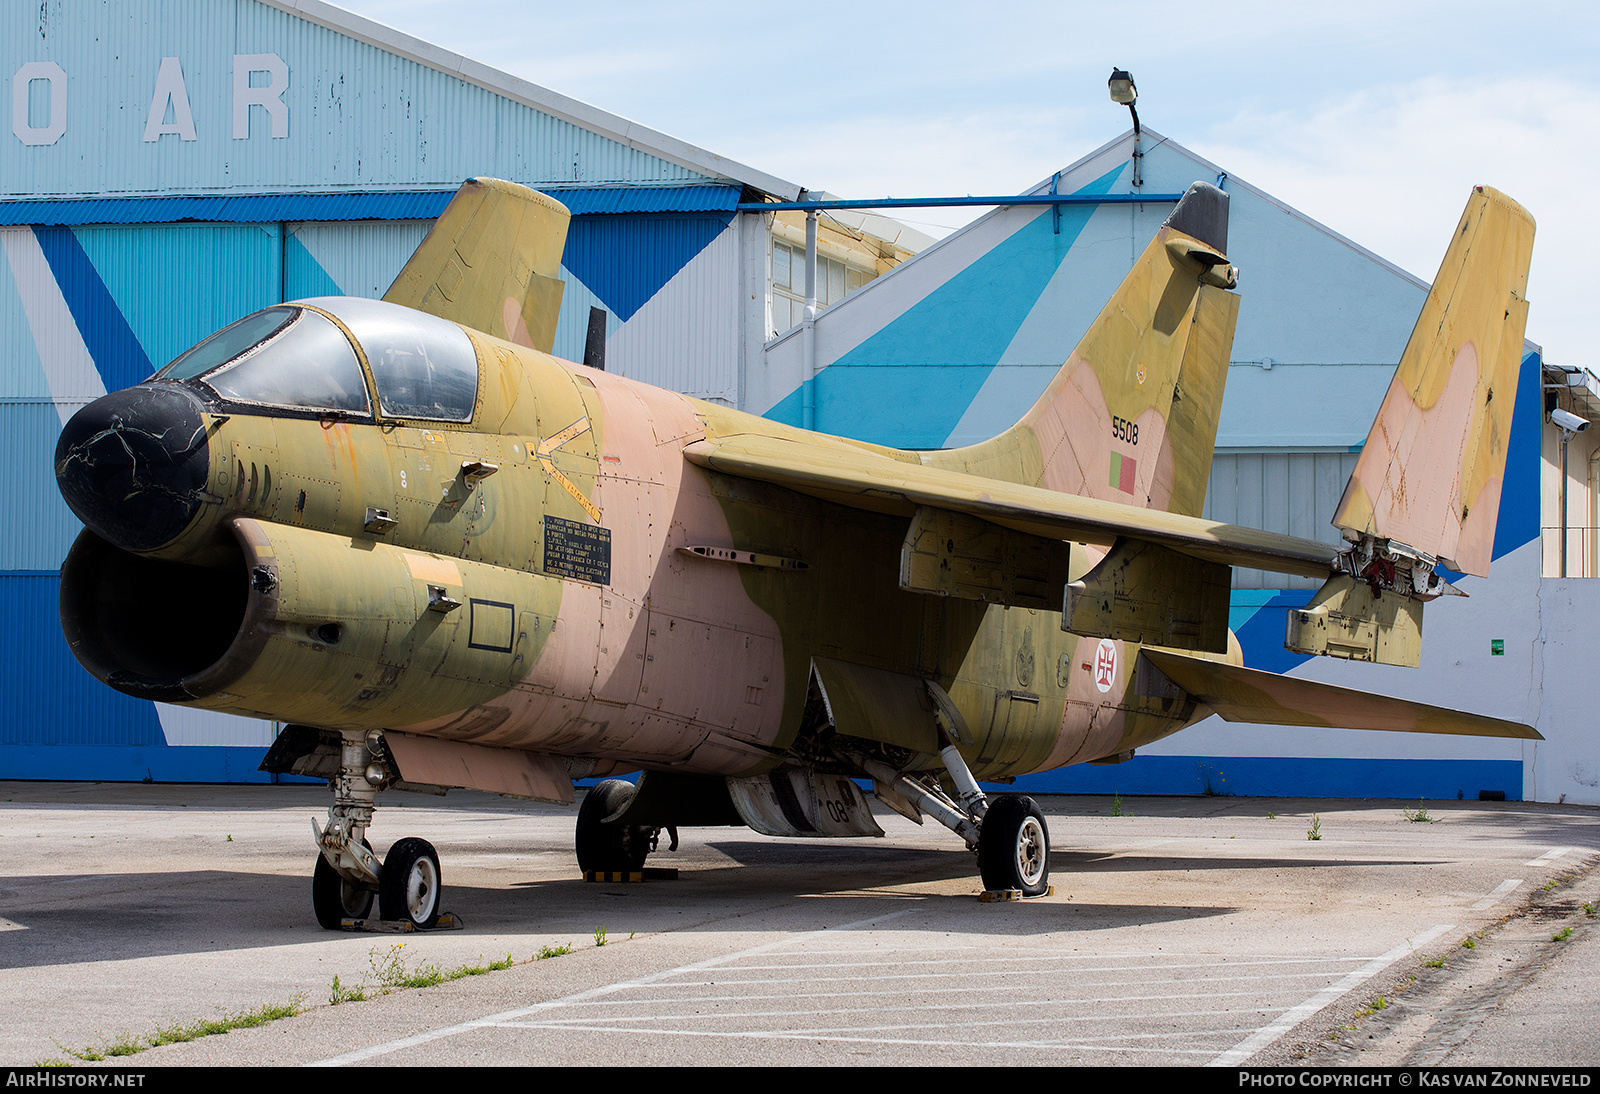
x=128, y=1045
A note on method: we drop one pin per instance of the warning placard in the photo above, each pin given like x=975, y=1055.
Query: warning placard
x=578, y=551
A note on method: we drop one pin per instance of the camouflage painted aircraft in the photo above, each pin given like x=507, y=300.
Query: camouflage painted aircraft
x=446, y=559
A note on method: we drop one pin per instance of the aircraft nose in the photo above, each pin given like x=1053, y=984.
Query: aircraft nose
x=133, y=464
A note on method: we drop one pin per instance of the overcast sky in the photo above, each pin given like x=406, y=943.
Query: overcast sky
x=1374, y=118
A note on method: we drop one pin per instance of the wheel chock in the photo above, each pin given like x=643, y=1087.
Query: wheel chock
x=616, y=877
x=448, y=921
x=995, y=896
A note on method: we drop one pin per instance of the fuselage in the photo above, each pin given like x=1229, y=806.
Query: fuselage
x=533, y=566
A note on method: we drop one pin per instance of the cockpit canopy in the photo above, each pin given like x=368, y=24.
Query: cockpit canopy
x=292, y=356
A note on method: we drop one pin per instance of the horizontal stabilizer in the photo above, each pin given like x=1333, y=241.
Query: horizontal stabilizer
x=1430, y=472
x=1238, y=694
x=492, y=262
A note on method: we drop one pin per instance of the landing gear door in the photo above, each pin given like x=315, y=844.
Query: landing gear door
x=794, y=801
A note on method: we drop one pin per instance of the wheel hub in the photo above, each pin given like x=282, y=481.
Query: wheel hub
x=1031, y=851
x=422, y=889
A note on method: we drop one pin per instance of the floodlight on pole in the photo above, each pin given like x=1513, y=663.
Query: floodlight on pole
x=1124, y=91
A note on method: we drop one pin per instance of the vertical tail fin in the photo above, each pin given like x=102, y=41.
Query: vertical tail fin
x=1132, y=414
x=491, y=262
x=1431, y=470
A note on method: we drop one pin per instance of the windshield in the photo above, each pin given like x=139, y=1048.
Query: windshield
x=283, y=356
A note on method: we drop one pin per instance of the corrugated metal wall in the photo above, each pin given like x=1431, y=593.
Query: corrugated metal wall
x=358, y=257
x=358, y=116
x=1289, y=492
x=686, y=337
x=39, y=528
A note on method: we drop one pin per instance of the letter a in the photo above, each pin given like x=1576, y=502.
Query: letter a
x=169, y=91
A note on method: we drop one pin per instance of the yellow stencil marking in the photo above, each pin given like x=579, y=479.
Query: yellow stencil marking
x=548, y=446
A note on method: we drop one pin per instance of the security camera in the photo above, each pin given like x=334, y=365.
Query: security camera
x=1564, y=419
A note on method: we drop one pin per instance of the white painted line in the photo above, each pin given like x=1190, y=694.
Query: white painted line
x=845, y=1038
x=582, y=996
x=1548, y=857
x=1033, y=1002
x=1498, y=894
x=1010, y=982
x=7, y=925
x=966, y=991
x=1293, y=1017
x=990, y=964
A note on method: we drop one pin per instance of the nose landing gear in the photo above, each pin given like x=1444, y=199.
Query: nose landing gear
x=407, y=884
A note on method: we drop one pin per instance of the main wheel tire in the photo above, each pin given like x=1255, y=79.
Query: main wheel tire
x=334, y=899
x=1014, y=846
x=410, y=886
x=609, y=847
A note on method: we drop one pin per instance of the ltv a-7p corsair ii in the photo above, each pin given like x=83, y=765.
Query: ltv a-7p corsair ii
x=445, y=558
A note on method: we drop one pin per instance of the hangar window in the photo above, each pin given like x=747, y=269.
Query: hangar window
x=282, y=356
x=424, y=367
x=835, y=280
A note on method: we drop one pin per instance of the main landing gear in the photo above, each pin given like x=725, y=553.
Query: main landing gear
x=348, y=875
x=611, y=848
x=1008, y=831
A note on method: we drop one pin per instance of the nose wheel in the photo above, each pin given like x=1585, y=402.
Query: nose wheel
x=409, y=888
x=336, y=899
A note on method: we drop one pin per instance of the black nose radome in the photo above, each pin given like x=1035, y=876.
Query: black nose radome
x=133, y=465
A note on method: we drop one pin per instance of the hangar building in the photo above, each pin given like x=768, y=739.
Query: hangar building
x=174, y=164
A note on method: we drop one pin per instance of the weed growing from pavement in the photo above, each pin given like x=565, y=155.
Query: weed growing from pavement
x=1435, y=962
x=390, y=969
x=1562, y=935
x=1588, y=911
x=393, y=974
x=1380, y=1003
x=127, y=1045
x=1419, y=815
x=599, y=937
x=1116, y=806
x=1315, y=831
x=1469, y=943
x=338, y=995
x=1211, y=781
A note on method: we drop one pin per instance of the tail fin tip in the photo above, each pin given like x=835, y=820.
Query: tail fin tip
x=1202, y=213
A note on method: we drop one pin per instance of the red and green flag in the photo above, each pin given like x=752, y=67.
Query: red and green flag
x=1123, y=471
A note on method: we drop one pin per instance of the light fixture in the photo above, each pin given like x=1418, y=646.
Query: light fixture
x=1122, y=89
